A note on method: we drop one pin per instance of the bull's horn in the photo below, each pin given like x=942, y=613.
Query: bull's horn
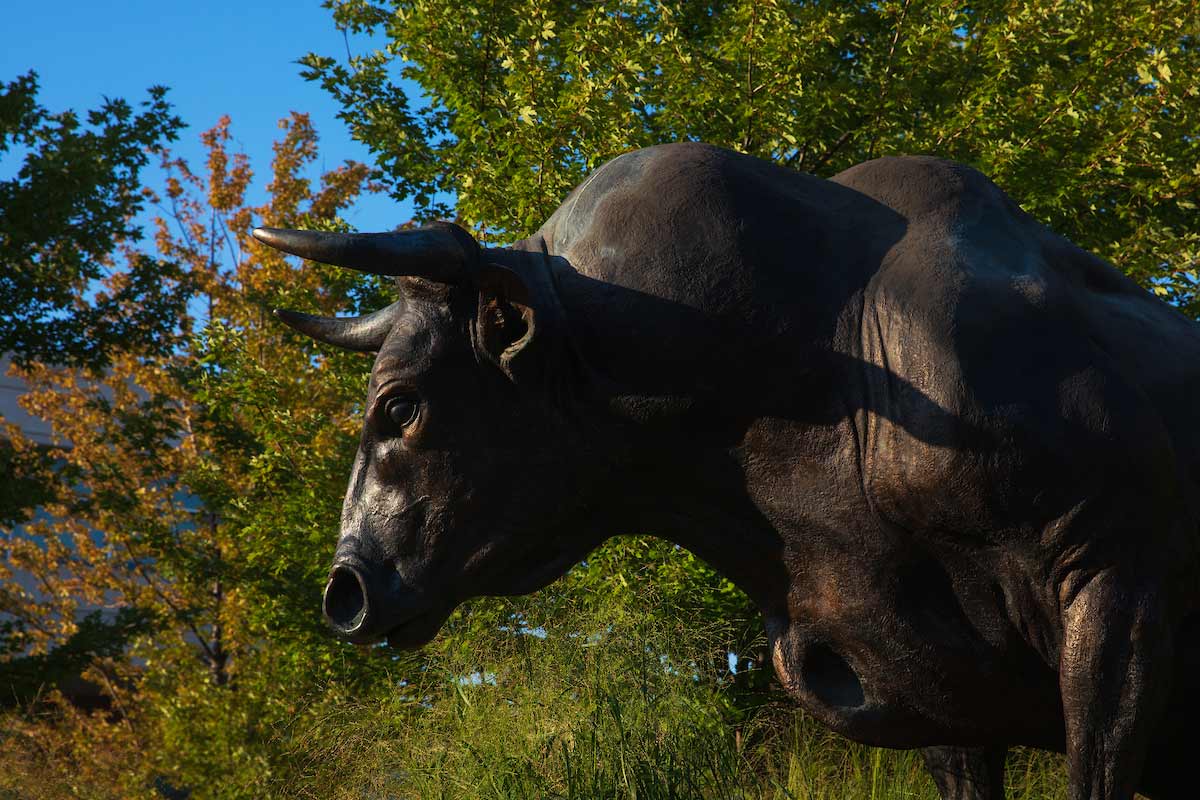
x=363, y=334
x=440, y=252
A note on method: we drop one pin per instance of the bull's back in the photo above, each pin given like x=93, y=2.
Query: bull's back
x=720, y=231
x=970, y=306
x=1067, y=387
x=982, y=238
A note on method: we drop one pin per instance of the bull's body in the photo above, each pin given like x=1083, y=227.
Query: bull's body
x=950, y=455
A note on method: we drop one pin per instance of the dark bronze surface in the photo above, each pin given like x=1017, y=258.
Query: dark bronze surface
x=951, y=456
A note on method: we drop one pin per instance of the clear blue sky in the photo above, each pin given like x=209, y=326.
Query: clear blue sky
x=217, y=57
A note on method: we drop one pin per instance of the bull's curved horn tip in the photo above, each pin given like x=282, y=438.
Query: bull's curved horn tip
x=264, y=235
x=289, y=316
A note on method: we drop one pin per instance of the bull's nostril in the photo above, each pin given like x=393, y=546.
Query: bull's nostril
x=346, y=599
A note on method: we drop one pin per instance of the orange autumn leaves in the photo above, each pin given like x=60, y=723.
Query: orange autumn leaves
x=160, y=477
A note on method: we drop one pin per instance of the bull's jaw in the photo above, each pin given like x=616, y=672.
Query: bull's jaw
x=546, y=574
x=421, y=627
x=417, y=631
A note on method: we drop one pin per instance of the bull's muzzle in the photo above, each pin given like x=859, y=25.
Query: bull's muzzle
x=364, y=604
x=347, y=603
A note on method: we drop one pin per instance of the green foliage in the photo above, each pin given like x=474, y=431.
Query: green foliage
x=64, y=219
x=201, y=484
x=22, y=485
x=589, y=704
x=26, y=677
x=1085, y=112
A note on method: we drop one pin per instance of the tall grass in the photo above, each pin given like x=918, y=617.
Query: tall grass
x=544, y=697
x=621, y=705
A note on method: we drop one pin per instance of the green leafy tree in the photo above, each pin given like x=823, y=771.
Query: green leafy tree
x=190, y=507
x=1086, y=113
x=67, y=220
x=74, y=290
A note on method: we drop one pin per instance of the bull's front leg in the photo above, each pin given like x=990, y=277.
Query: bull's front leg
x=967, y=773
x=1114, y=674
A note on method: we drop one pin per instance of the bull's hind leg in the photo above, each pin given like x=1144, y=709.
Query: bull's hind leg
x=967, y=773
x=1115, y=674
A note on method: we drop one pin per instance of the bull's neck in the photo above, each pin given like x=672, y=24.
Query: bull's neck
x=668, y=389
x=696, y=499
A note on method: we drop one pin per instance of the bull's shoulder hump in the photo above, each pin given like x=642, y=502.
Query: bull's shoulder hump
x=627, y=175
x=930, y=190
x=961, y=228
x=667, y=183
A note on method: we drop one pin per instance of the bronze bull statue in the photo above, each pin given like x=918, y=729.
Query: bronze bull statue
x=952, y=457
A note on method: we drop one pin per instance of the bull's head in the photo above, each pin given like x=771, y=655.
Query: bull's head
x=456, y=452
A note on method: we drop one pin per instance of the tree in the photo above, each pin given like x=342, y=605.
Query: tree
x=1085, y=113
x=66, y=221
x=178, y=556
x=67, y=218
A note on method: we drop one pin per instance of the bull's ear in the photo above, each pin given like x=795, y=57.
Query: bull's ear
x=507, y=321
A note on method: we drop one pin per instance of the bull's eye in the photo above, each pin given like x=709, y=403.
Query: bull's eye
x=401, y=410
